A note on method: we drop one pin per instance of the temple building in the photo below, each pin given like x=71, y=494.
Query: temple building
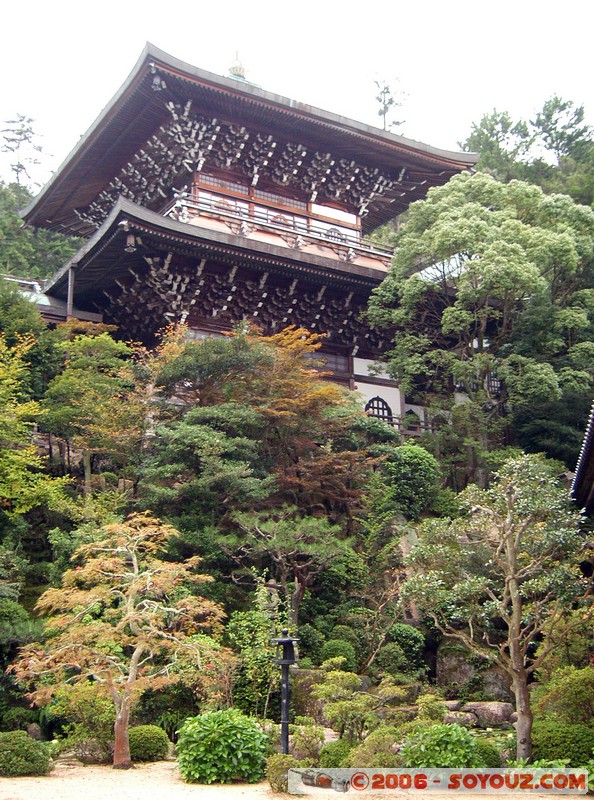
x=207, y=200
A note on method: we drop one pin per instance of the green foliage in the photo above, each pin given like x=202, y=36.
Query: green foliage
x=277, y=770
x=378, y=749
x=86, y=716
x=334, y=648
x=430, y=708
x=392, y=659
x=411, y=641
x=442, y=746
x=148, y=743
x=488, y=754
x=554, y=150
x=251, y=633
x=501, y=298
x=568, y=695
x=311, y=641
x=23, y=251
x=221, y=746
x=307, y=737
x=413, y=476
x=334, y=754
x=22, y=755
x=555, y=740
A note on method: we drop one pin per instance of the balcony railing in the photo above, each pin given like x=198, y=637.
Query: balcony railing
x=297, y=231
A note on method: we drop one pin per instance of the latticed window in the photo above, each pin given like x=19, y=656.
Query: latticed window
x=377, y=407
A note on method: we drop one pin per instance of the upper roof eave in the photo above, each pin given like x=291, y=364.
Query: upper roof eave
x=152, y=57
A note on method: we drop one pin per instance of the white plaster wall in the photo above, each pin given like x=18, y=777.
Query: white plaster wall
x=391, y=394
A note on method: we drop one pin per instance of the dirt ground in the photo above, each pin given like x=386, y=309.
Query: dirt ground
x=161, y=781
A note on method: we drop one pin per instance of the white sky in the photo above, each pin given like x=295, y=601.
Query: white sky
x=62, y=61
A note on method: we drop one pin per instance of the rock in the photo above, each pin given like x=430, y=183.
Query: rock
x=453, y=705
x=490, y=714
x=457, y=669
x=464, y=718
x=34, y=731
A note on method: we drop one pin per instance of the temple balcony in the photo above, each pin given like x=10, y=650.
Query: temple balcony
x=281, y=228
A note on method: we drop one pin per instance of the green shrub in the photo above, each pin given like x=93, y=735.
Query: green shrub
x=554, y=740
x=411, y=641
x=391, y=659
x=22, y=755
x=488, y=754
x=352, y=636
x=441, y=746
x=334, y=754
x=307, y=737
x=87, y=718
x=311, y=641
x=221, y=746
x=430, y=708
x=17, y=718
x=277, y=768
x=335, y=648
x=148, y=743
x=569, y=695
x=377, y=750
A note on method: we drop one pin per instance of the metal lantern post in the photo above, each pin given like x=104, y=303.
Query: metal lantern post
x=285, y=657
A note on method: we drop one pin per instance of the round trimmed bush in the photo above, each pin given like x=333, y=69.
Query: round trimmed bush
x=148, y=743
x=334, y=648
x=391, y=659
x=221, y=746
x=555, y=740
x=411, y=641
x=333, y=754
x=22, y=755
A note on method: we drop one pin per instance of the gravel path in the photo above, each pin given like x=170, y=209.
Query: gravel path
x=161, y=781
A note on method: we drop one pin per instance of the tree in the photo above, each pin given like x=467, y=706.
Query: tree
x=555, y=150
x=123, y=617
x=260, y=424
x=23, y=251
x=298, y=548
x=389, y=100
x=505, y=576
x=23, y=483
x=89, y=403
x=20, y=140
x=488, y=295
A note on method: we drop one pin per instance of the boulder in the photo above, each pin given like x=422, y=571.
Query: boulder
x=453, y=705
x=464, y=718
x=490, y=714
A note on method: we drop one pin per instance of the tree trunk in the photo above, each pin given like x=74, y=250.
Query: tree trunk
x=121, y=750
x=87, y=469
x=524, y=723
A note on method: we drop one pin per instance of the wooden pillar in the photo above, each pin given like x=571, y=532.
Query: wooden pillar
x=70, y=300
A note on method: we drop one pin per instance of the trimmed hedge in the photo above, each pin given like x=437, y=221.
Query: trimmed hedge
x=557, y=740
x=22, y=755
x=148, y=743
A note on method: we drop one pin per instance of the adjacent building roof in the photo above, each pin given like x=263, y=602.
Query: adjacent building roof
x=170, y=118
x=582, y=487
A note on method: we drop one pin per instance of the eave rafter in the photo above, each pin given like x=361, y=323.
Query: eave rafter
x=206, y=293
x=189, y=142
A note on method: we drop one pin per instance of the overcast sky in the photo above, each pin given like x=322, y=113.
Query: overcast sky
x=62, y=61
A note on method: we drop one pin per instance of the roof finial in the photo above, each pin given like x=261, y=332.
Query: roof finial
x=237, y=70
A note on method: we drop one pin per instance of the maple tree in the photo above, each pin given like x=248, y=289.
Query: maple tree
x=123, y=618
